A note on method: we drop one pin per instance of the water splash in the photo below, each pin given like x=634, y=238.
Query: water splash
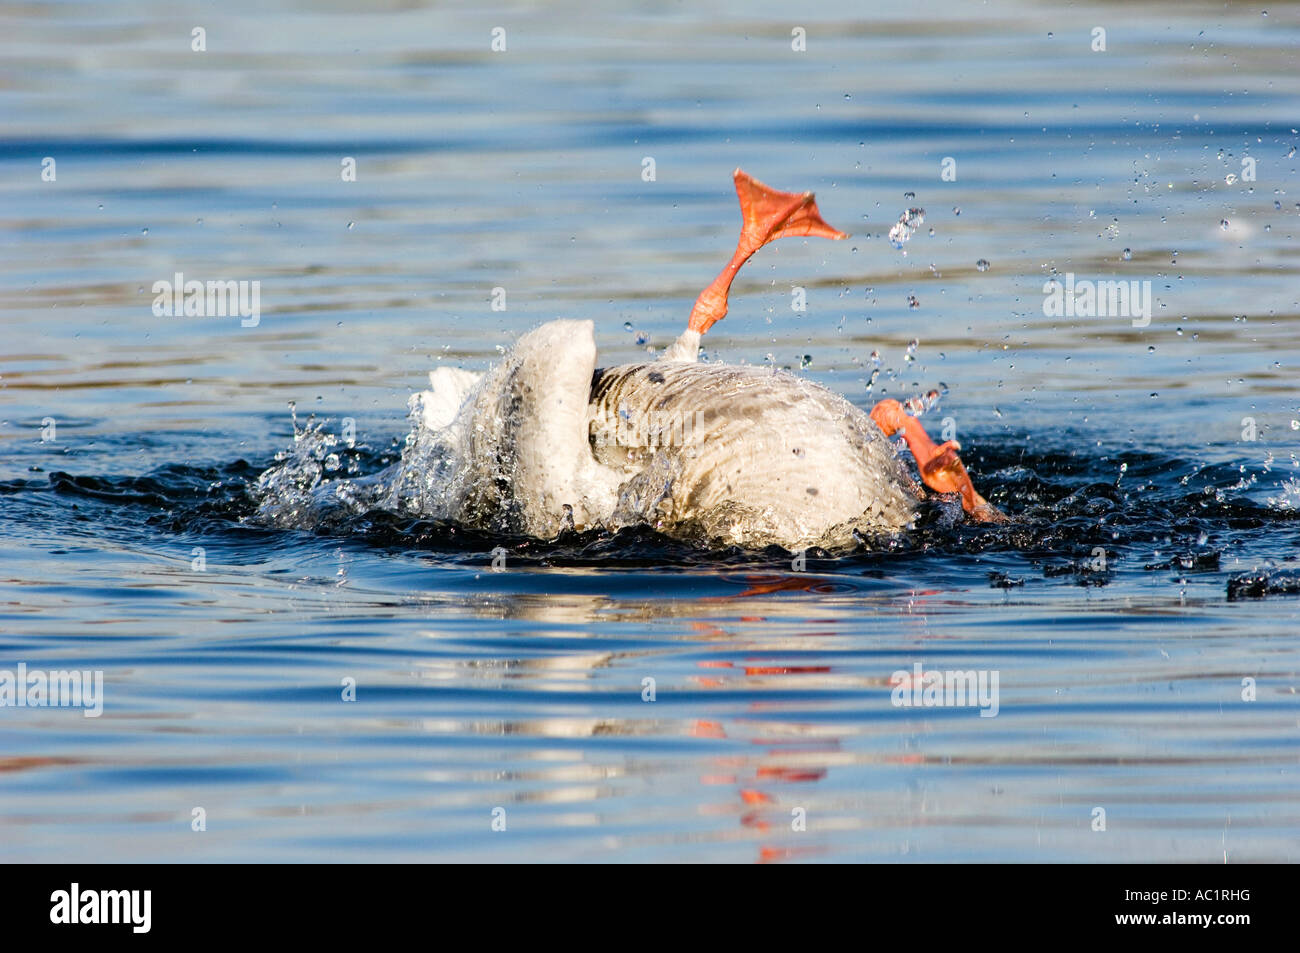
x=1289, y=497
x=299, y=491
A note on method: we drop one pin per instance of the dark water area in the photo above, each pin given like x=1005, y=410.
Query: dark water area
x=630, y=697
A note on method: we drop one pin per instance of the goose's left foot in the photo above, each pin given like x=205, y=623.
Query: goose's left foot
x=941, y=468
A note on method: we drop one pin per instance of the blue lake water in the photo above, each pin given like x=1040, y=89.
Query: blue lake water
x=1153, y=470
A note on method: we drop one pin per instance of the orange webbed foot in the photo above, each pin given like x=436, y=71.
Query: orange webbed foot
x=941, y=468
x=769, y=214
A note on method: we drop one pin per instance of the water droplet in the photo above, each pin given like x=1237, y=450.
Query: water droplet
x=350, y=224
x=901, y=231
x=642, y=338
x=1223, y=224
x=805, y=361
x=913, y=302
x=144, y=231
x=627, y=325
x=956, y=210
x=982, y=264
x=909, y=196
x=1151, y=348
x=1128, y=254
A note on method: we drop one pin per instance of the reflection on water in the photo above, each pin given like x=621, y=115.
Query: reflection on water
x=629, y=698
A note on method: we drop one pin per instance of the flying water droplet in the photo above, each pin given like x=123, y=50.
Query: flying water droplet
x=899, y=235
x=982, y=264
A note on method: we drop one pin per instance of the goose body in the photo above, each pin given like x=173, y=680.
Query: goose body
x=728, y=454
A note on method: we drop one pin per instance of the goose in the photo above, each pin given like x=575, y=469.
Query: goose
x=546, y=441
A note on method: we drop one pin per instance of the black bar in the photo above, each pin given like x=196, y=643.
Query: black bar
x=908, y=904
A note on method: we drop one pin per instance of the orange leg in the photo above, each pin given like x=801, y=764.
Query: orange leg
x=941, y=468
x=768, y=215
